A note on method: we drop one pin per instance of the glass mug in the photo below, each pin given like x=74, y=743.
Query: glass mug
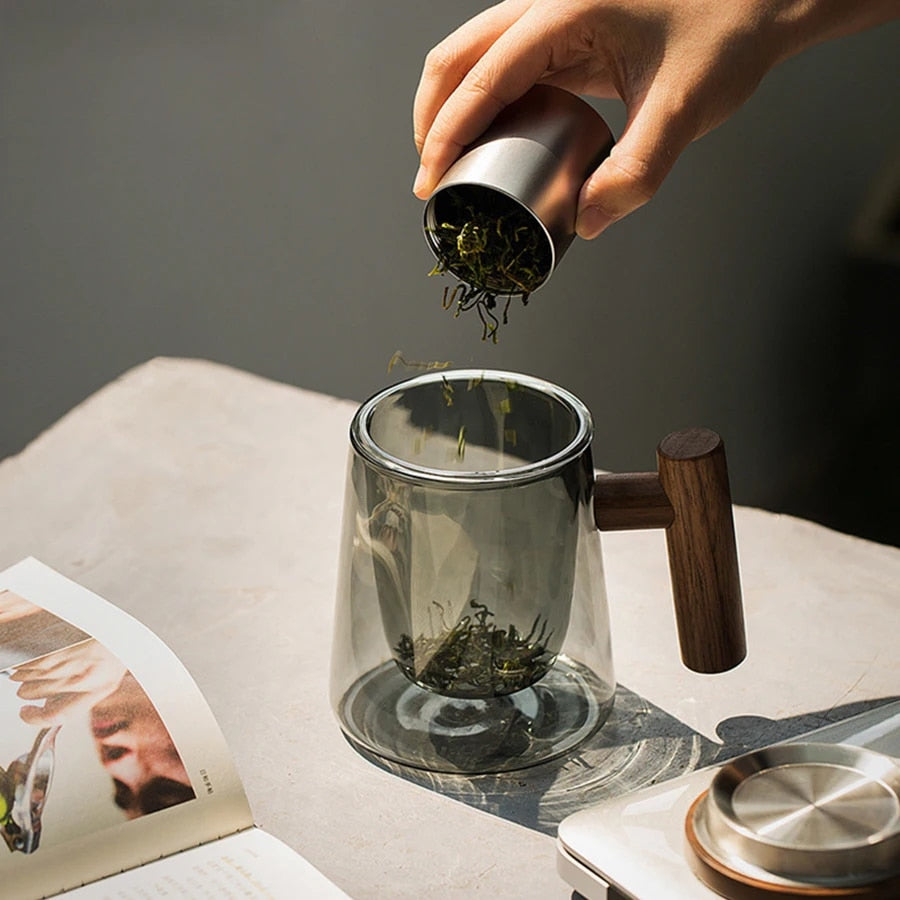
x=471, y=630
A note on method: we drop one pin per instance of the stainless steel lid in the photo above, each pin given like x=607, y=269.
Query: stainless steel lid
x=802, y=814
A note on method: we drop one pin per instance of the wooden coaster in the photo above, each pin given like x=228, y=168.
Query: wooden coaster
x=735, y=885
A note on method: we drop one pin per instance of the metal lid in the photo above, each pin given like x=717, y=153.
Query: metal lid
x=815, y=814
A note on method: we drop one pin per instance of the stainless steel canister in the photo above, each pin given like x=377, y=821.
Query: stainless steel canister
x=538, y=151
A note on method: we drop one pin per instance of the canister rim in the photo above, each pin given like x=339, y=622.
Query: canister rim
x=430, y=221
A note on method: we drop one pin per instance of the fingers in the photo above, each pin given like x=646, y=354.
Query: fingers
x=86, y=667
x=49, y=676
x=94, y=680
x=450, y=61
x=655, y=135
x=42, y=688
x=665, y=69
x=515, y=61
x=56, y=710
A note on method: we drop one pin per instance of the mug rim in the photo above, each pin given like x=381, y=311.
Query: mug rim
x=365, y=445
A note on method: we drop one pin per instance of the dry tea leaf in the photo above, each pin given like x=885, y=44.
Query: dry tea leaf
x=496, y=249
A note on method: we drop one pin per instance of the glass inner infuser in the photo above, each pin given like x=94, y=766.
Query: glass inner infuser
x=471, y=631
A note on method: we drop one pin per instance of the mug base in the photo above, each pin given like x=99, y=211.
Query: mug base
x=386, y=714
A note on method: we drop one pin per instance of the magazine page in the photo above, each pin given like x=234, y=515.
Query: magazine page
x=250, y=864
x=109, y=755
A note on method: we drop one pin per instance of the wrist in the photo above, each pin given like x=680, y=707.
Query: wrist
x=799, y=24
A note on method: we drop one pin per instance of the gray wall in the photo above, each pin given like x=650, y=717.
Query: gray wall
x=232, y=181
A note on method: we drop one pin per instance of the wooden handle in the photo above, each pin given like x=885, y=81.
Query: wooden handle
x=706, y=581
x=689, y=497
x=628, y=501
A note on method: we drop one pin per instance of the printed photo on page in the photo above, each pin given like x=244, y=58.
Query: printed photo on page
x=82, y=746
x=115, y=779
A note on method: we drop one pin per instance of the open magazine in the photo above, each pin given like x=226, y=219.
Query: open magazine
x=115, y=780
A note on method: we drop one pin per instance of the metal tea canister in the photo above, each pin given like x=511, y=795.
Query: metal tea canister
x=538, y=152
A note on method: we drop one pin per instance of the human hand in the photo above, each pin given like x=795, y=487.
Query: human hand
x=13, y=607
x=69, y=681
x=681, y=67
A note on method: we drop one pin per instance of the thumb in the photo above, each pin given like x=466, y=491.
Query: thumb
x=637, y=165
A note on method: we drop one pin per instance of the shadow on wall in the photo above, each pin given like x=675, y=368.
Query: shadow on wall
x=851, y=481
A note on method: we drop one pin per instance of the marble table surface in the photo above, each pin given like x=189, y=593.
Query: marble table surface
x=206, y=502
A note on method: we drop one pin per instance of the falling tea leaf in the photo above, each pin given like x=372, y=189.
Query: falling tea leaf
x=398, y=359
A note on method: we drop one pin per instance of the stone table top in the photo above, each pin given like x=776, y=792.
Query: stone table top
x=206, y=502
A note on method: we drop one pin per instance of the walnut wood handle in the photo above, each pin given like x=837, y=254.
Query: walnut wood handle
x=689, y=497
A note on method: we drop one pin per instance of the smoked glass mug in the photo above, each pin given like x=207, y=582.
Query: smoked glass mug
x=471, y=630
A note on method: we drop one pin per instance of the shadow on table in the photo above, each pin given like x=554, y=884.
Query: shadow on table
x=640, y=745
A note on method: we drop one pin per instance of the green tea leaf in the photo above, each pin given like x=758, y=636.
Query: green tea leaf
x=494, y=246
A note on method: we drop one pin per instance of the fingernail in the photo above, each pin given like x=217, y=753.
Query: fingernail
x=419, y=183
x=591, y=222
